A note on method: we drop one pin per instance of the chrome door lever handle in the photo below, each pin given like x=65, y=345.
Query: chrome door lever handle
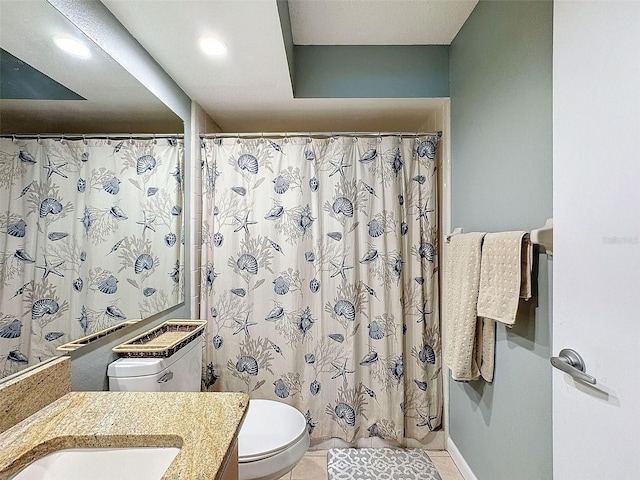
x=569, y=361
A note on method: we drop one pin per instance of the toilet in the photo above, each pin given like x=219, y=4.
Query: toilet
x=273, y=437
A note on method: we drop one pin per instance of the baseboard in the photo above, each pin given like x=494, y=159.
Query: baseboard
x=458, y=459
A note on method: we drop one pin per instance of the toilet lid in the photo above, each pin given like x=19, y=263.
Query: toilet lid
x=268, y=428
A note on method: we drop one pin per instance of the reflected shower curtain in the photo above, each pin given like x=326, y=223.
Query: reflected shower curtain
x=319, y=280
x=90, y=237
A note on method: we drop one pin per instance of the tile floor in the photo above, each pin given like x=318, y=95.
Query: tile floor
x=313, y=466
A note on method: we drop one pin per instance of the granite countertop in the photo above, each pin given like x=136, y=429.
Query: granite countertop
x=203, y=425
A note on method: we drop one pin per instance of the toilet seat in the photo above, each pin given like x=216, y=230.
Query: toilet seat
x=269, y=428
x=275, y=466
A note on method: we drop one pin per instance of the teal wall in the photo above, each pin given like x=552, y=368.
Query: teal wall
x=501, y=179
x=371, y=71
x=20, y=81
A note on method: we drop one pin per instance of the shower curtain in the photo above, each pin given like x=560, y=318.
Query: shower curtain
x=90, y=237
x=320, y=279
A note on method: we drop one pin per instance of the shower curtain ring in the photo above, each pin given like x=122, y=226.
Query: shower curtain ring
x=262, y=137
x=155, y=140
x=286, y=138
x=131, y=139
x=238, y=140
x=62, y=140
x=14, y=139
x=108, y=140
x=84, y=139
x=39, y=140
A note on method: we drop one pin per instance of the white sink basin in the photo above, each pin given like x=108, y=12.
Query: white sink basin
x=148, y=463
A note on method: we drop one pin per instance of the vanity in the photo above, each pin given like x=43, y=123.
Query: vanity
x=204, y=426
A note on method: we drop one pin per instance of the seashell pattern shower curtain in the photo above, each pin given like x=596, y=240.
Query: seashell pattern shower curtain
x=90, y=237
x=320, y=280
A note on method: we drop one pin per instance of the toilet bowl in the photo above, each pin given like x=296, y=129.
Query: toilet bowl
x=272, y=440
x=273, y=437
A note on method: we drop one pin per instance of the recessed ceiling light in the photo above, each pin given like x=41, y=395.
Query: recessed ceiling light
x=212, y=46
x=72, y=46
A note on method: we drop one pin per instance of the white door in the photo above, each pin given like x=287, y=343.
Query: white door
x=596, y=263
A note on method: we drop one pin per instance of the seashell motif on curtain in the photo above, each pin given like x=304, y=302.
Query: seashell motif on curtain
x=91, y=239
x=310, y=258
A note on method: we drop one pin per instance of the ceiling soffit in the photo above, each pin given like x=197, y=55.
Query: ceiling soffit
x=251, y=89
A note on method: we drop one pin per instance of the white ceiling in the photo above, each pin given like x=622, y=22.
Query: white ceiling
x=377, y=22
x=250, y=89
x=26, y=31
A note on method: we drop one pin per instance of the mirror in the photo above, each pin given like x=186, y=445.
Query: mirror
x=44, y=90
x=113, y=101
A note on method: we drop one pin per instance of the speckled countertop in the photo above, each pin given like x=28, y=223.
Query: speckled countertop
x=203, y=425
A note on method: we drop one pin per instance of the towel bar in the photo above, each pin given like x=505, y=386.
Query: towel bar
x=456, y=231
x=543, y=236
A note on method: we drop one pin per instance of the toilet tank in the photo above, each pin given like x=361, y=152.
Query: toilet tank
x=181, y=372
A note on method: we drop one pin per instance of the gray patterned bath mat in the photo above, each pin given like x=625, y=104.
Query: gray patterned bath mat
x=380, y=464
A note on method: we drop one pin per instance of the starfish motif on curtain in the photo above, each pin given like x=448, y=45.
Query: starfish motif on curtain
x=341, y=371
x=338, y=167
x=52, y=168
x=340, y=268
x=243, y=326
x=147, y=223
x=426, y=420
x=244, y=223
x=423, y=211
x=50, y=268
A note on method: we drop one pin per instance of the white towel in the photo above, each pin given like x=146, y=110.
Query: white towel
x=505, y=275
x=486, y=347
x=463, y=281
x=526, y=265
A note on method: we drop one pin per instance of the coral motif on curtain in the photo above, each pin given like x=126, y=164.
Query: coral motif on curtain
x=320, y=280
x=90, y=237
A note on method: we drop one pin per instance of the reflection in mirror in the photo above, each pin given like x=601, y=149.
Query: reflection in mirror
x=91, y=232
x=92, y=238
x=17, y=375
x=34, y=89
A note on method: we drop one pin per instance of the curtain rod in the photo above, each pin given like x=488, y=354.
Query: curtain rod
x=81, y=136
x=125, y=136
x=320, y=134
